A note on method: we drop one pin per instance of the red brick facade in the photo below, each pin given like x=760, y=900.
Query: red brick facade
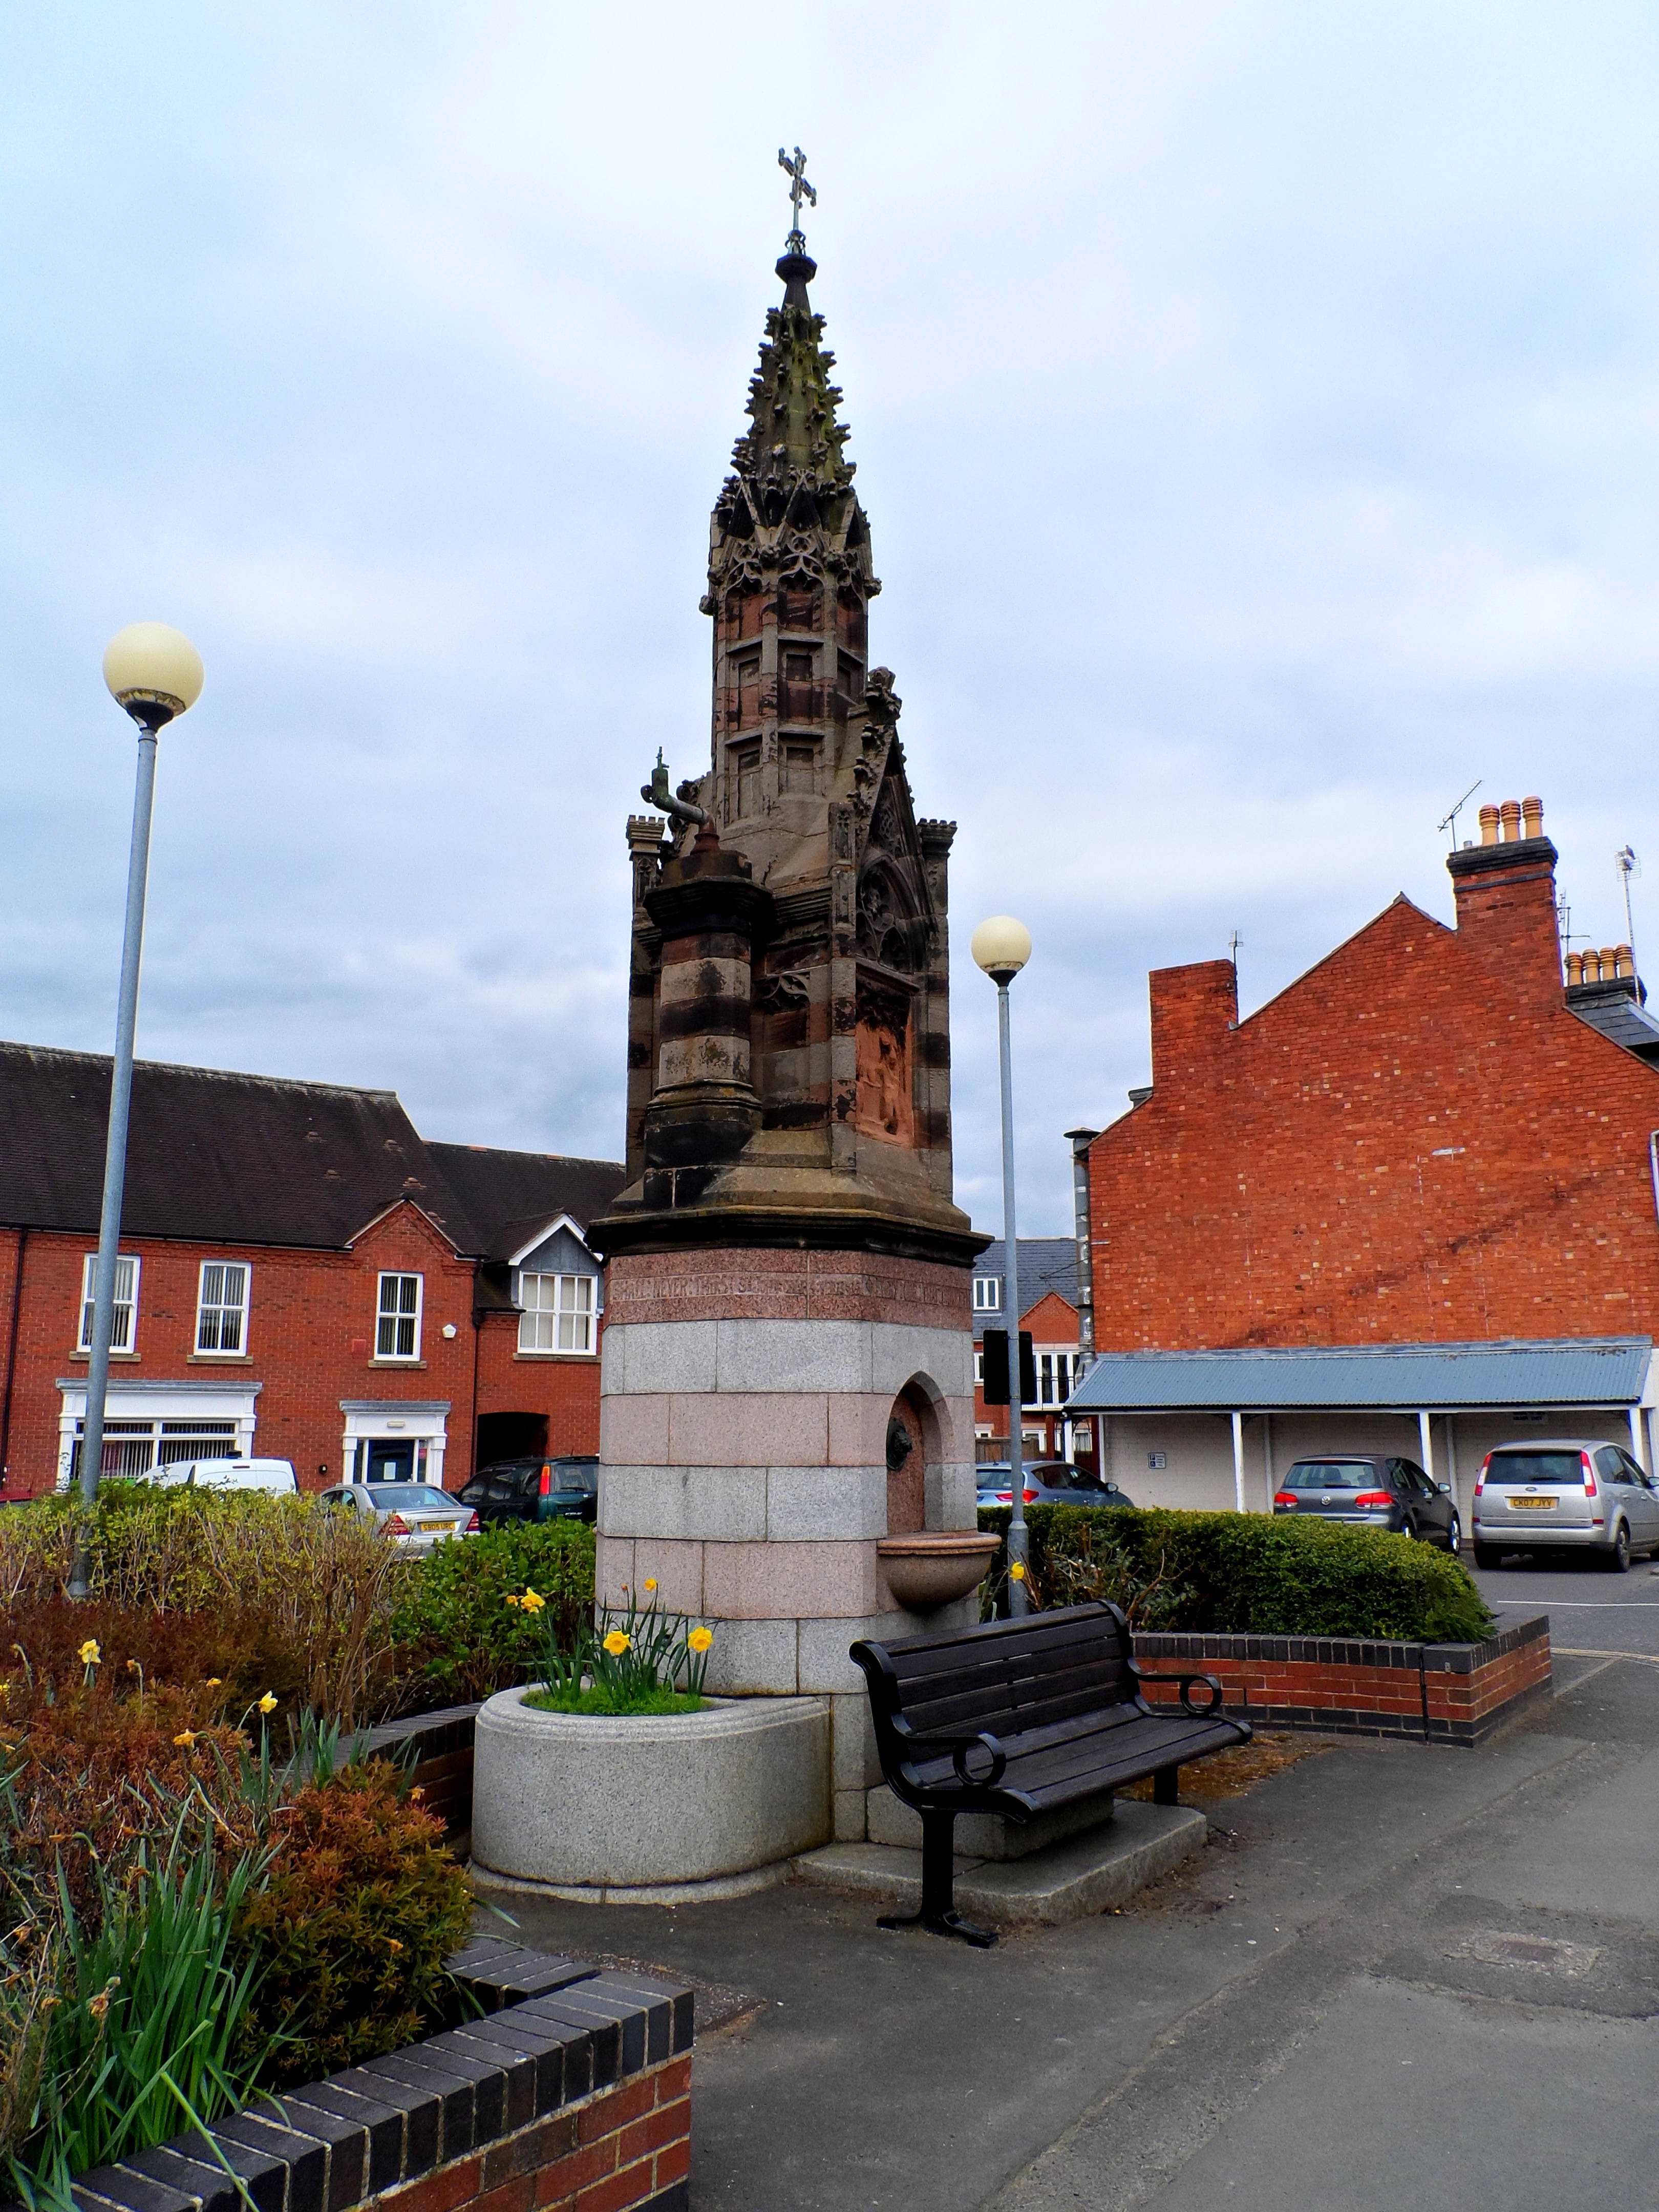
x=1417, y=1141
x=1051, y=1325
x=310, y=1345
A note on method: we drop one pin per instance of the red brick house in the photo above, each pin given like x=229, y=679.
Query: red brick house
x=1429, y=1139
x=1047, y=1288
x=303, y=1276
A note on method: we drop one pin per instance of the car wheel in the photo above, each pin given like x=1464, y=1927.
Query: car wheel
x=1455, y=1536
x=1619, y=1557
x=1406, y=1527
x=1486, y=1555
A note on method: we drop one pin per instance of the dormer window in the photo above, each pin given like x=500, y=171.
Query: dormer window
x=987, y=1294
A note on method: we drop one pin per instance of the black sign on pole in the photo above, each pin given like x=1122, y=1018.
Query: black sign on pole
x=994, y=1387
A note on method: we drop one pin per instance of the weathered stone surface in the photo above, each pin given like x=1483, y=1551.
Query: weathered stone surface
x=1067, y=1881
x=983, y=1835
x=582, y=1802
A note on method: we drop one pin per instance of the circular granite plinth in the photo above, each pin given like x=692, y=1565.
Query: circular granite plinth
x=686, y=1804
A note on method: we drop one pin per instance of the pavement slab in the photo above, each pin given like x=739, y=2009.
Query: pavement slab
x=1233, y=2034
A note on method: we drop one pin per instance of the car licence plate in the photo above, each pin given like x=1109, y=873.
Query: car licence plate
x=428, y=1526
x=1532, y=1504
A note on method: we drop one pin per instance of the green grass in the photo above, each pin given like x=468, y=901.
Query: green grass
x=602, y=1703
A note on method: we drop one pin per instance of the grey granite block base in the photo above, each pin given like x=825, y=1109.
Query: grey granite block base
x=589, y=1805
x=889, y=1820
x=648, y=1892
x=1068, y=1881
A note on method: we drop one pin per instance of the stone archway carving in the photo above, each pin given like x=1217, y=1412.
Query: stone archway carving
x=915, y=1450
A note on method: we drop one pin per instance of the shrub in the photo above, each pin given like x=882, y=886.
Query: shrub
x=1244, y=1573
x=93, y=1777
x=305, y=1596
x=460, y=1635
x=361, y=1909
x=139, y=2046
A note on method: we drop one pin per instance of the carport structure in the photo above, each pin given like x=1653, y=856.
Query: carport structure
x=1333, y=1397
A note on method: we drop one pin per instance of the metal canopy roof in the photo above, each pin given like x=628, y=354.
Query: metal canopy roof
x=1553, y=1371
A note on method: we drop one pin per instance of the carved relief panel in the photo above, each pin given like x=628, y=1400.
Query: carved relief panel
x=885, y=1068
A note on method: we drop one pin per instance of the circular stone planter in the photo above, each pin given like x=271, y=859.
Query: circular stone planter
x=651, y=1808
x=927, y=1571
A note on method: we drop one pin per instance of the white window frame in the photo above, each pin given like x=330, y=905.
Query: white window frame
x=397, y=1315
x=219, y=1308
x=532, y=1318
x=129, y=1305
x=987, y=1294
x=1058, y=1374
x=978, y=1369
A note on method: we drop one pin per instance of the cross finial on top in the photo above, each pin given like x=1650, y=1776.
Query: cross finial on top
x=799, y=191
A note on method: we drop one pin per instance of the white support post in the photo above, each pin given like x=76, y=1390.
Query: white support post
x=1238, y=1460
x=1426, y=1441
x=1637, y=1440
x=1267, y=1458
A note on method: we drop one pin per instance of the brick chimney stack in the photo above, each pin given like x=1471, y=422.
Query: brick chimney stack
x=1505, y=893
x=1193, y=1009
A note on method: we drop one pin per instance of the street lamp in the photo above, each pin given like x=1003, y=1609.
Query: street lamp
x=1001, y=946
x=156, y=674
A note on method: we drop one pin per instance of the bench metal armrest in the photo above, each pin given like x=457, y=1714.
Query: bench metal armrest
x=1198, y=1712
x=958, y=1746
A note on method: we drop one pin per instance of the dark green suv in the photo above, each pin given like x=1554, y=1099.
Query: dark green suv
x=536, y=1490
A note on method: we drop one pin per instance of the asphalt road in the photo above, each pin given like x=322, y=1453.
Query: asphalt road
x=1401, y=1978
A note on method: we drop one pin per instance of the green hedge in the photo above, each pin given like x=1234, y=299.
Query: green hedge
x=455, y=1625
x=1244, y=1574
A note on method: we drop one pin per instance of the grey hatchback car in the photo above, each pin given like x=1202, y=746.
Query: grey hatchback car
x=1048, y=1482
x=1374, y=1489
x=1564, y=1494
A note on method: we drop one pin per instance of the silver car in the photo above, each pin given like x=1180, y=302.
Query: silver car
x=1565, y=1494
x=414, y=1516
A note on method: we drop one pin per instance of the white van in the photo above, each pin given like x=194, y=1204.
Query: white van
x=276, y=1475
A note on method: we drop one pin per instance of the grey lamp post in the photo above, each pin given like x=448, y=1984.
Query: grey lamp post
x=156, y=674
x=1001, y=946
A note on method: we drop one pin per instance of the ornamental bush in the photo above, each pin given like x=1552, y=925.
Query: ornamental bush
x=1244, y=1574
x=462, y=1639
x=351, y=1927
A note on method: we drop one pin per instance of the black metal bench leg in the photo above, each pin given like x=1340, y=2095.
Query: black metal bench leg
x=1166, y=1786
x=938, y=1915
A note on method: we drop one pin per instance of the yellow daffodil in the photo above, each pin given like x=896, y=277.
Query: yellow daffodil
x=512, y=1600
x=532, y=1603
x=1017, y=1571
x=615, y=1644
x=393, y=1944
x=701, y=1638
x=267, y=1704
x=90, y=1654
x=133, y=1666
x=650, y=1583
x=213, y=1683
x=186, y=1740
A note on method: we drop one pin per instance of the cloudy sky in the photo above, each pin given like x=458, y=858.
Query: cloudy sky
x=1256, y=407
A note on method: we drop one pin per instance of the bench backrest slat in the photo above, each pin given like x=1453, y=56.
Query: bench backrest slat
x=972, y=1699
x=1009, y=1677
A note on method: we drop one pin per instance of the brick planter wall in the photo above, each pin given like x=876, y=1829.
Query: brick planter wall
x=1456, y=1694
x=573, y=2093
x=441, y=1765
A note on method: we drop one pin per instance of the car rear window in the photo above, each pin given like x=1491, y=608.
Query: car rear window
x=388, y=1496
x=1333, y=1475
x=582, y=1477
x=1536, y=1467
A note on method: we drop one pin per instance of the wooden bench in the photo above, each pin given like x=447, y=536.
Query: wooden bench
x=1022, y=1718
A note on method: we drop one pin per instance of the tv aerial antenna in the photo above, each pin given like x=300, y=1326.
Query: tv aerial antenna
x=1628, y=866
x=1450, y=822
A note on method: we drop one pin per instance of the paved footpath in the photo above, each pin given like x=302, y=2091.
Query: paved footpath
x=1399, y=1977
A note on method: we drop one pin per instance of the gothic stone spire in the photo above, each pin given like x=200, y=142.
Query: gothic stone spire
x=838, y=1125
